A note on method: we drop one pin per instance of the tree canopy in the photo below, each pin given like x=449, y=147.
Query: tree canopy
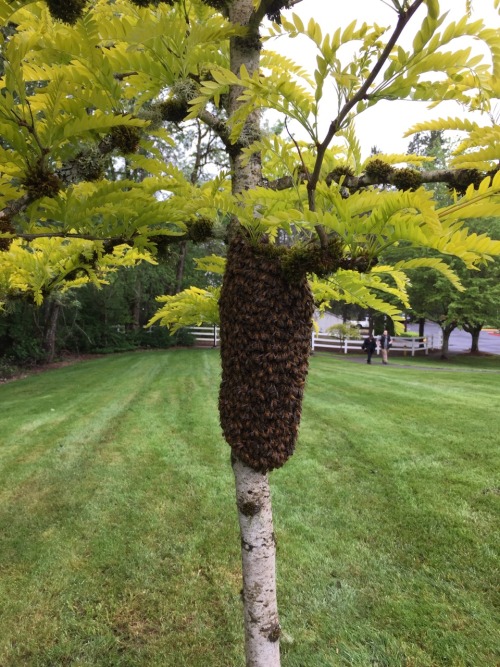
x=78, y=95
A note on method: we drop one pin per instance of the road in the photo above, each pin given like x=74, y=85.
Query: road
x=460, y=341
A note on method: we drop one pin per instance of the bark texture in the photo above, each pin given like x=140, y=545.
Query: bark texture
x=258, y=553
x=181, y=262
x=261, y=316
x=475, y=341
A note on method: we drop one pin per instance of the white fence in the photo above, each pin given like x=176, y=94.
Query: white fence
x=401, y=344
x=209, y=336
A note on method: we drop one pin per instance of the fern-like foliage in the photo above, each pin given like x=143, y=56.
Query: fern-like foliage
x=192, y=306
x=103, y=84
x=49, y=264
x=479, y=148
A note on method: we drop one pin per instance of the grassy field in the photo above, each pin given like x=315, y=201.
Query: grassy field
x=118, y=533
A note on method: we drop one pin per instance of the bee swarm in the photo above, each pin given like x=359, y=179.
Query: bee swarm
x=265, y=347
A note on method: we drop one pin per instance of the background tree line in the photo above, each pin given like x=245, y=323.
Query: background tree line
x=113, y=318
x=101, y=320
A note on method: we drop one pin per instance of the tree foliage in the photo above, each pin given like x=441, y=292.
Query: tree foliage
x=101, y=87
x=477, y=302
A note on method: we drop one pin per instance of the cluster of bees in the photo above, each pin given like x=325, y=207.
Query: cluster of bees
x=69, y=11
x=265, y=347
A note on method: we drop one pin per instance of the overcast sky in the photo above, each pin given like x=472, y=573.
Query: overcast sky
x=385, y=123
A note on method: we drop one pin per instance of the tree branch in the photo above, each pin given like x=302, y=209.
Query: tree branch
x=65, y=235
x=264, y=7
x=15, y=206
x=120, y=76
x=218, y=126
x=68, y=173
x=192, y=234
x=271, y=7
x=403, y=20
x=31, y=128
x=450, y=176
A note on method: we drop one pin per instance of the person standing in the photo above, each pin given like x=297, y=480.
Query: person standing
x=369, y=345
x=385, y=342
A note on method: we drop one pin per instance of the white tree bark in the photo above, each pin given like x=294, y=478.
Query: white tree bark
x=253, y=496
x=258, y=553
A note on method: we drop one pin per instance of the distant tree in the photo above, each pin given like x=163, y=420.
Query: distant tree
x=430, y=296
x=479, y=305
x=471, y=308
x=434, y=145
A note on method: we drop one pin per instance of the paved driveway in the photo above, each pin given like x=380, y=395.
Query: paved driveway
x=460, y=341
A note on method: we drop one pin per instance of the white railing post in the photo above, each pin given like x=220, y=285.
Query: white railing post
x=312, y=341
x=345, y=345
x=412, y=347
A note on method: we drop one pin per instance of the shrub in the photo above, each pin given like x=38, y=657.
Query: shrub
x=343, y=331
x=155, y=337
x=27, y=351
x=408, y=334
x=7, y=369
x=183, y=338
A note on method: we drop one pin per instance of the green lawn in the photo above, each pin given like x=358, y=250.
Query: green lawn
x=118, y=532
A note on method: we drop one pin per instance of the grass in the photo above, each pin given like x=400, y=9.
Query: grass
x=118, y=535
x=481, y=361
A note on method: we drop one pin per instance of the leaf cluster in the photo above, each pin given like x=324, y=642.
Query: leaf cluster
x=70, y=93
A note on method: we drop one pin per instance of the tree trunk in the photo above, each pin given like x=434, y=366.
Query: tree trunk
x=181, y=262
x=475, y=341
x=50, y=329
x=475, y=331
x=265, y=346
x=252, y=490
x=137, y=303
x=421, y=329
x=258, y=555
x=446, y=329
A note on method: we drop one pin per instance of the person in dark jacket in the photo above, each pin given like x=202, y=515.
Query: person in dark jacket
x=369, y=345
x=385, y=342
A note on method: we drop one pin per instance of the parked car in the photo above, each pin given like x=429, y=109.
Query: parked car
x=361, y=324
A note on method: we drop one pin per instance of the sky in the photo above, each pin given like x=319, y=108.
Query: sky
x=385, y=123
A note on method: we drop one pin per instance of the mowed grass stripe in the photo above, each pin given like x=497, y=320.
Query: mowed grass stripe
x=118, y=533
x=400, y=469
